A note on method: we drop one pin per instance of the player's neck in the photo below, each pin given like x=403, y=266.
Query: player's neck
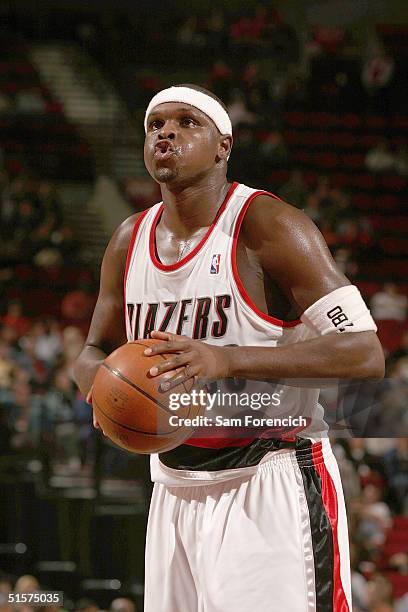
x=191, y=207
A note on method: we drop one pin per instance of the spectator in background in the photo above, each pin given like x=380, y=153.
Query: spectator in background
x=380, y=158
x=238, y=111
x=401, y=160
x=72, y=343
x=323, y=198
x=215, y=29
x=380, y=598
x=244, y=162
x=377, y=77
x=273, y=150
x=294, y=190
x=345, y=262
x=6, y=104
x=36, y=369
x=15, y=318
x=6, y=587
x=220, y=80
x=358, y=581
x=188, y=35
x=256, y=89
x=396, y=468
x=141, y=192
x=375, y=517
x=77, y=305
x=312, y=209
x=391, y=412
x=7, y=366
x=389, y=304
x=57, y=409
x=123, y=604
x=48, y=344
x=402, y=350
x=30, y=101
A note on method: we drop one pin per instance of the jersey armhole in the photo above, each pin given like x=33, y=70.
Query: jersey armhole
x=130, y=252
x=240, y=286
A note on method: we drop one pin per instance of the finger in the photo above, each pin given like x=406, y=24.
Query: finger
x=88, y=398
x=179, y=379
x=170, y=346
x=159, y=335
x=177, y=361
x=95, y=421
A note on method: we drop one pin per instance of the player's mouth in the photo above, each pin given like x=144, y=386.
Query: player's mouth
x=163, y=150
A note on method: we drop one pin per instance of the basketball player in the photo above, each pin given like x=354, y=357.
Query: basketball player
x=236, y=525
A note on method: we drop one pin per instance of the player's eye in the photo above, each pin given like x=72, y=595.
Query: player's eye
x=188, y=121
x=156, y=124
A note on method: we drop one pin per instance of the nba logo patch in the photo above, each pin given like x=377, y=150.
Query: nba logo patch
x=215, y=264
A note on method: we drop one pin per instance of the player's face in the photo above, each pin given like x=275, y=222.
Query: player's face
x=181, y=143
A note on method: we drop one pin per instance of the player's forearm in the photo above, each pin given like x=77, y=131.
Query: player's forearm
x=352, y=355
x=86, y=367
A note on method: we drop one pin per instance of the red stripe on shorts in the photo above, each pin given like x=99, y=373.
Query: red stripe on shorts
x=329, y=498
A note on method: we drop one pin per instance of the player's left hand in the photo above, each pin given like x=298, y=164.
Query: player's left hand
x=200, y=360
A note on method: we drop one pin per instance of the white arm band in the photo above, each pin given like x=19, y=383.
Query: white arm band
x=342, y=310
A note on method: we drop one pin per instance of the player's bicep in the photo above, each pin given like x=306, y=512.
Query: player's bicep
x=293, y=252
x=310, y=270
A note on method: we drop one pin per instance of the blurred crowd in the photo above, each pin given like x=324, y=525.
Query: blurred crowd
x=32, y=228
x=375, y=481
x=12, y=585
x=260, y=66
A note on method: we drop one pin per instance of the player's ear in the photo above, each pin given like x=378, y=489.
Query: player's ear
x=224, y=148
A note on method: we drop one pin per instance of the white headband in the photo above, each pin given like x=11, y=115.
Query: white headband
x=195, y=98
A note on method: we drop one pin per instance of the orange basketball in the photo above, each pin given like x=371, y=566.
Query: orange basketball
x=131, y=410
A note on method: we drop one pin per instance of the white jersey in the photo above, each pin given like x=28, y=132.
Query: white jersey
x=202, y=296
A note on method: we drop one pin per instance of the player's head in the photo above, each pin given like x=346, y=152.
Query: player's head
x=188, y=135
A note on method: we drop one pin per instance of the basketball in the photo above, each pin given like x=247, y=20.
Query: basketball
x=129, y=407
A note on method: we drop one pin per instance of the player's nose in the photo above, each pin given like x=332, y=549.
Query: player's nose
x=167, y=132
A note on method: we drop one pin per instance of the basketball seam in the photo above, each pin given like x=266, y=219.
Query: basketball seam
x=122, y=377
x=139, y=431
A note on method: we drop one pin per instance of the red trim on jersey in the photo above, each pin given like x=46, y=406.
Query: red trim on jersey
x=130, y=251
x=241, y=288
x=329, y=498
x=178, y=264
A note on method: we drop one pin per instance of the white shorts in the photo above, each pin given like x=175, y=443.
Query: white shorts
x=273, y=540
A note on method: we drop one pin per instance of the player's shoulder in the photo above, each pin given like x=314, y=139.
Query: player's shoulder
x=118, y=246
x=123, y=233
x=269, y=216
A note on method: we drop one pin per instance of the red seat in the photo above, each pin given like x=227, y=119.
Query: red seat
x=363, y=201
x=295, y=118
x=390, y=334
x=394, y=246
x=388, y=202
x=399, y=583
x=340, y=179
x=392, y=182
x=400, y=523
x=353, y=160
x=376, y=122
x=363, y=181
x=401, y=123
x=368, y=140
x=326, y=160
x=351, y=121
x=318, y=139
x=344, y=140
x=368, y=288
